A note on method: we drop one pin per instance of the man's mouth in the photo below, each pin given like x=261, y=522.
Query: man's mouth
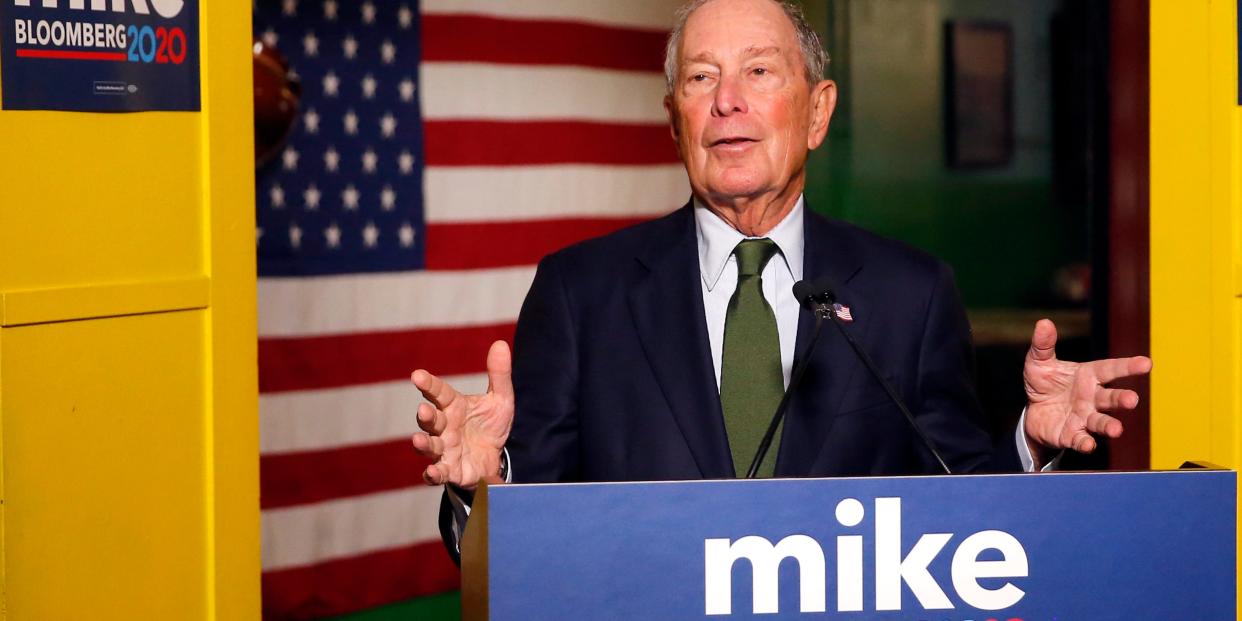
x=732, y=140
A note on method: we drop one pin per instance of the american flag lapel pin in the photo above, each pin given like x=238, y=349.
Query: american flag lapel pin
x=842, y=312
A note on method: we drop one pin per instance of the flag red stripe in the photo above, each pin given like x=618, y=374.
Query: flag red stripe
x=291, y=479
x=313, y=362
x=524, y=143
x=478, y=245
x=71, y=55
x=475, y=38
x=348, y=585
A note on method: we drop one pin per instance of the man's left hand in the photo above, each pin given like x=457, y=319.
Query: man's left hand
x=1067, y=402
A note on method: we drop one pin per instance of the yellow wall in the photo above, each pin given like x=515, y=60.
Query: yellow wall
x=1195, y=218
x=128, y=408
x=1194, y=232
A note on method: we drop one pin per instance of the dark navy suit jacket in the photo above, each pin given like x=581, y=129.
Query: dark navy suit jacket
x=614, y=378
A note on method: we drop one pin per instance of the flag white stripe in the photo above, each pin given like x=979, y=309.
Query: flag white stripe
x=380, y=302
x=527, y=93
x=310, y=534
x=648, y=14
x=490, y=194
x=311, y=420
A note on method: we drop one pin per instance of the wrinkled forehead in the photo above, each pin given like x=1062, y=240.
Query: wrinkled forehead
x=736, y=29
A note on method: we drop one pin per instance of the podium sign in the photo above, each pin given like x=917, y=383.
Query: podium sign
x=1152, y=545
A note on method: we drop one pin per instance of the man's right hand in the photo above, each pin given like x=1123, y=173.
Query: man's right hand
x=464, y=434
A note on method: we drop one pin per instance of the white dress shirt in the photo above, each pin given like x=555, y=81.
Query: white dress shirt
x=718, y=268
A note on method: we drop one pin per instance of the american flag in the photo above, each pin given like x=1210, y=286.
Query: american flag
x=442, y=150
x=843, y=312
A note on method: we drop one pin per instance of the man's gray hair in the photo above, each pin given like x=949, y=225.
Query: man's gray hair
x=814, y=58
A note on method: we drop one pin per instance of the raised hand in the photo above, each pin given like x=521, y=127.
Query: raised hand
x=465, y=434
x=1067, y=402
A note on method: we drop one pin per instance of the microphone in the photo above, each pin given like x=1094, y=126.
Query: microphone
x=819, y=296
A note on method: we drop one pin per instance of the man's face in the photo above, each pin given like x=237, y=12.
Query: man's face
x=741, y=109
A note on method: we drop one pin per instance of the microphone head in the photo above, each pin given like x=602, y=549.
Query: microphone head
x=813, y=290
x=803, y=291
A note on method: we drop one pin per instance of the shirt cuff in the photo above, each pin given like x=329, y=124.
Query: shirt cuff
x=461, y=499
x=1024, y=450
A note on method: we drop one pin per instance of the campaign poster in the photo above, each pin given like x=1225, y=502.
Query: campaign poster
x=99, y=55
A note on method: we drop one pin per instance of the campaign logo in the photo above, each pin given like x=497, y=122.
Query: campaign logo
x=71, y=54
x=892, y=569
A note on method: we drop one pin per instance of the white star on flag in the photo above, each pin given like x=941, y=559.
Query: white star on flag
x=351, y=122
x=258, y=234
x=290, y=158
x=290, y=7
x=310, y=44
x=369, y=161
x=331, y=159
x=368, y=87
x=311, y=196
x=349, y=197
x=350, y=46
x=406, y=88
x=332, y=235
x=368, y=13
x=388, y=125
x=388, y=52
x=406, y=233
x=388, y=198
x=277, y=196
x=406, y=162
x=329, y=10
x=331, y=84
x=311, y=119
x=370, y=235
x=405, y=16
x=270, y=37
x=295, y=235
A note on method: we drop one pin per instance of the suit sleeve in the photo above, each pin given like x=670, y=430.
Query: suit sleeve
x=543, y=445
x=950, y=411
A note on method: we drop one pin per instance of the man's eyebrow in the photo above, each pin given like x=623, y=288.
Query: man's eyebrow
x=702, y=57
x=750, y=52
x=754, y=50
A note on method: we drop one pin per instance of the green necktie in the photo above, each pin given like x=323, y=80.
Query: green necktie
x=751, y=380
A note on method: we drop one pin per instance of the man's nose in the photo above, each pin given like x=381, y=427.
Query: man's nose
x=730, y=97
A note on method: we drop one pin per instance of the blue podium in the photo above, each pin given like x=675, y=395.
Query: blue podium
x=1068, y=546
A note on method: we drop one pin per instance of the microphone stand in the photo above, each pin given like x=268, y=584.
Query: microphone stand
x=821, y=311
x=888, y=388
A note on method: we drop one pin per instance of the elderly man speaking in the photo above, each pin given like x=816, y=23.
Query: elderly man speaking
x=661, y=351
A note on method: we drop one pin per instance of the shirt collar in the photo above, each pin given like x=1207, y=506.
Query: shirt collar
x=717, y=239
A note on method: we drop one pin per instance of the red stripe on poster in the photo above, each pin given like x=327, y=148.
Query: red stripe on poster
x=71, y=55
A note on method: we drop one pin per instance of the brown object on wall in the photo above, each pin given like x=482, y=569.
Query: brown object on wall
x=277, y=98
x=1129, y=326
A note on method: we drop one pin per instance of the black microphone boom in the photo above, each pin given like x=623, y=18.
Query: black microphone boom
x=801, y=290
x=819, y=296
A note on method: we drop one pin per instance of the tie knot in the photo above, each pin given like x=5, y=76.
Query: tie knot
x=752, y=255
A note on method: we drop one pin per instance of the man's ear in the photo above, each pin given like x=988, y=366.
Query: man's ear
x=670, y=111
x=823, y=102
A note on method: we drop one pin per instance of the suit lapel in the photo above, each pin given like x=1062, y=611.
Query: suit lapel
x=832, y=363
x=667, y=305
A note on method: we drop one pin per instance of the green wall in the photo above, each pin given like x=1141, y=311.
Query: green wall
x=884, y=166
